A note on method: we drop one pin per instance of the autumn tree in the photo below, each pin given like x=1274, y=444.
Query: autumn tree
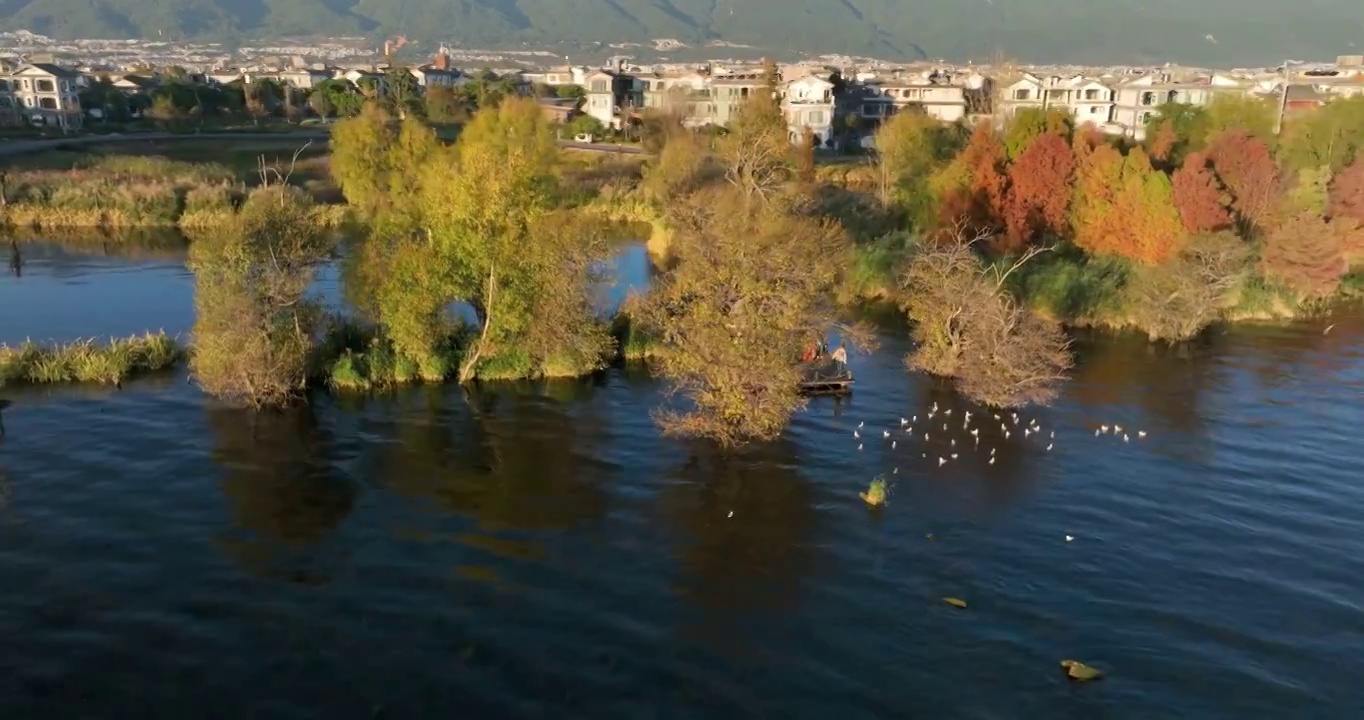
x=1199, y=196
x=1029, y=124
x=1039, y=190
x=1347, y=193
x=969, y=328
x=1305, y=253
x=1122, y=206
x=1160, y=144
x=1246, y=168
x=974, y=185
x=321, y=103
x=1179, y=299
x=254, y=327
x=757, y=154
x=752, y=285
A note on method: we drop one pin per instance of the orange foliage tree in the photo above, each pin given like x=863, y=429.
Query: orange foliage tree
x=1039, y=190
x=1247, y=170
x=974, y=186
x=1161, y=144
x=1122, y=206
x=1200, y=197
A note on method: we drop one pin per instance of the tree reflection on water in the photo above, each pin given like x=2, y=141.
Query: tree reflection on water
x=285, y=497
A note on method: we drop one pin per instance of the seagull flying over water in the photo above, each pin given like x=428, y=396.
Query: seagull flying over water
x=885, y=433
x=941, y=462
x=1141, y=433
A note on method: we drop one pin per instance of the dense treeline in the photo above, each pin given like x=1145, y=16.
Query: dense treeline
x=1213, y=215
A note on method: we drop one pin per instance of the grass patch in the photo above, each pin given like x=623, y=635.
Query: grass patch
x=872, y=275
x=1261, y=299
x=354, y=357
x=89, y=361
x=1073, y=287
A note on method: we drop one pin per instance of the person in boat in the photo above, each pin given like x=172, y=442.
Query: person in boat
x=840, y=357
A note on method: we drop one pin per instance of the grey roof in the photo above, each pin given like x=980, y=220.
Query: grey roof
x=1304, y=92
x=56, y=70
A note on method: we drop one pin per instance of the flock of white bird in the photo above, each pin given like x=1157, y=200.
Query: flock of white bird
x=1009, y=425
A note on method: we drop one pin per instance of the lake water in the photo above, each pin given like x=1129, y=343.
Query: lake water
x=539, y=551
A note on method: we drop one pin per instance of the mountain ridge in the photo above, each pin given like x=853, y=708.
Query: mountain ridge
x=1082, y=31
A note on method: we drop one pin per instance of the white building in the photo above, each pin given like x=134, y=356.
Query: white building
x=937, y=94
x=1138, y=100
x=42, y=94
x=808, y=102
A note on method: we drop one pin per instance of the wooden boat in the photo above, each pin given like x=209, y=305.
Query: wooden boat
x=824, y=378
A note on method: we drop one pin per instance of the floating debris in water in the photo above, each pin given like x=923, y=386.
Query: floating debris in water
x=955, y=602
x=1077, y=670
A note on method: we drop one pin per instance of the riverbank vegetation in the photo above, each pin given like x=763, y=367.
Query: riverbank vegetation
x=115, y=189
x=481, y=260
x=1212, y=218
x=88, y=361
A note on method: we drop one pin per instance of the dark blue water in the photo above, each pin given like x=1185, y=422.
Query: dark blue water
x=539, y=551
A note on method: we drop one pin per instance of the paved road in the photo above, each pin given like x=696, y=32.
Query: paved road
x=11, y=148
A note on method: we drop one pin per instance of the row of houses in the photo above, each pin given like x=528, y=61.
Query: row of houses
x=826, y=101
x=48, y=94
x=1124, y=105
x=817, y=99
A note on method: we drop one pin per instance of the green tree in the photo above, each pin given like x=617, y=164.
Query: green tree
x=1187, y=127
x=1029, y=123
x=584, y=125
x=360, y=160
x=576, y=93
x=403, y=94
x=1254, y=115
x=486, y=205
x=910, y=148
x=1330, y=136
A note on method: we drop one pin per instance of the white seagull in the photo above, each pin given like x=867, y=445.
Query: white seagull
x=941, y=462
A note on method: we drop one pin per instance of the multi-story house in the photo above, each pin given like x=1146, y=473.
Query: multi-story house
x=937, y=94
x=808, y=102
x=729, y=92
x=611, y=96
x=1089, y=100
x=1138, y=100
x=43, y=94
x=687, y=93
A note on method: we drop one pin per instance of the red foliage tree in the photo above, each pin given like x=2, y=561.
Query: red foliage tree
x=1247, y=170
x=1199, y=196
x=1039, y=190
x=1305, y=253
x=1347, y=192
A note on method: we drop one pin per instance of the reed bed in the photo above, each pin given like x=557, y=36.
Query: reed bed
x=89, y=361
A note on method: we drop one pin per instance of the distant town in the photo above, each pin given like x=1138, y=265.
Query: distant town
x=831, y=98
